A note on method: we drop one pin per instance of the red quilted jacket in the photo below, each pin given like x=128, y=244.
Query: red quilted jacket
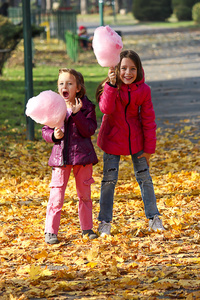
x=128, y=125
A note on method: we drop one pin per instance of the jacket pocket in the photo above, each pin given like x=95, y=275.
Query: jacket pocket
x=57, y=179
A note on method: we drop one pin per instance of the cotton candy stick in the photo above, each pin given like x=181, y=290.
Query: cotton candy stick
x=107, y=45
x=48, y=108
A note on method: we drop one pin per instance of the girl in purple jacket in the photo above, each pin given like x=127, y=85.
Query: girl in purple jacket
x=128, y=128
x=72, y=150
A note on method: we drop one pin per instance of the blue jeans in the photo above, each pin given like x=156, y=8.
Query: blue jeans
x=110, y=177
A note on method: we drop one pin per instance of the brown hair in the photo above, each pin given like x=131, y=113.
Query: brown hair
x=124, y=54
x=79, y=80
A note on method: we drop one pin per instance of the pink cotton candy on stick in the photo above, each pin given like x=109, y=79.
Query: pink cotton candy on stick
x=48, y=108
x=107, y=45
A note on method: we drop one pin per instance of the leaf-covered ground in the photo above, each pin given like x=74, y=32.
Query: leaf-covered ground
x=133, y=263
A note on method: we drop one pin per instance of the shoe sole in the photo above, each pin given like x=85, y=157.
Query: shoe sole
x=103, y=234
x=91, y=236
x=158, y=229
x=51, y=242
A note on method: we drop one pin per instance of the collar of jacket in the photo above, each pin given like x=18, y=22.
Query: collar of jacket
x=131, y=87
x=86, y=102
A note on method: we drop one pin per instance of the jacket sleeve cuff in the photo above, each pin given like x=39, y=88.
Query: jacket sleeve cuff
x=149, y=150
x=112, y=85
x=54, y=139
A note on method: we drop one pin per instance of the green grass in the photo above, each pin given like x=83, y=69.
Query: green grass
x=12, y=86
x=12, y=97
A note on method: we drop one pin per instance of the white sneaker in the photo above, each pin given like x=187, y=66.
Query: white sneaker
x=156, y=224
x=51, y=238
x=104, y=228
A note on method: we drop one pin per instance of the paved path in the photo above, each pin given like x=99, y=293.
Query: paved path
x=172, y=70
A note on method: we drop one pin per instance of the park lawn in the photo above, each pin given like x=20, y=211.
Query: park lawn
x=12, y=86
x=48, y=58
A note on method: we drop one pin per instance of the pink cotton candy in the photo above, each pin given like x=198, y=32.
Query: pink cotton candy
x=107, y=45
x=48, y=108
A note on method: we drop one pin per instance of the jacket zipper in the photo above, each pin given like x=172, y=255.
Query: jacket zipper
x=129, y=129
x=66, y=141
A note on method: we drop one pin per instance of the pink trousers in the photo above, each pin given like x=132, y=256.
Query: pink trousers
x=60, y=177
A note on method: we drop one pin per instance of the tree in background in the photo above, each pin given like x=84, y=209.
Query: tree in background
x=188, y=3
x=183, y=9
x=10, y=36
x=4, y=9
x=152, y=10
x=83, y=7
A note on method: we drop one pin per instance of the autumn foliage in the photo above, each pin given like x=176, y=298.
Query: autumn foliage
x=133, y=263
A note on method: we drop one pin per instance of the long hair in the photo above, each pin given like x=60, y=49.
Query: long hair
x=79, y=80
x=124, y=54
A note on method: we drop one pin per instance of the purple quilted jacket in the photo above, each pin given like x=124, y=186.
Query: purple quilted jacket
x=75, y=148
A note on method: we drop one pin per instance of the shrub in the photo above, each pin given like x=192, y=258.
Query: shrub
x=183, y=9
x=183, y=13
x=196, y=12
x=152, y=10
x=188, y=3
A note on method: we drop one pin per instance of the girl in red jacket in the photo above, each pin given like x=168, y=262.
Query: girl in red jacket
x=72, y=150
x=128, y=128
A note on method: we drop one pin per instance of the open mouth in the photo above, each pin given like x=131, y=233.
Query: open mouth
x=65, y=94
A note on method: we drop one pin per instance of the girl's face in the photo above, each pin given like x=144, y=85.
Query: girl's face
x=67, y=87
x=128, y=71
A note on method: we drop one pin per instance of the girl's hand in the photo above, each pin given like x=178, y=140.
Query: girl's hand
x=77, y=106
x=147, y=156
x=112, y=75
x=58, y=133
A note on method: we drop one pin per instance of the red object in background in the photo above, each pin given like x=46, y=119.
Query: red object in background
x=65, y=8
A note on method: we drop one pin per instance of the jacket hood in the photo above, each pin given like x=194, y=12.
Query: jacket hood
x=86, y=103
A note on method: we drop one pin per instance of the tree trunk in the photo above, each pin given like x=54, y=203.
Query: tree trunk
x=84, y=7
x=43, y=4
x=116, y=6
x=48, y=4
